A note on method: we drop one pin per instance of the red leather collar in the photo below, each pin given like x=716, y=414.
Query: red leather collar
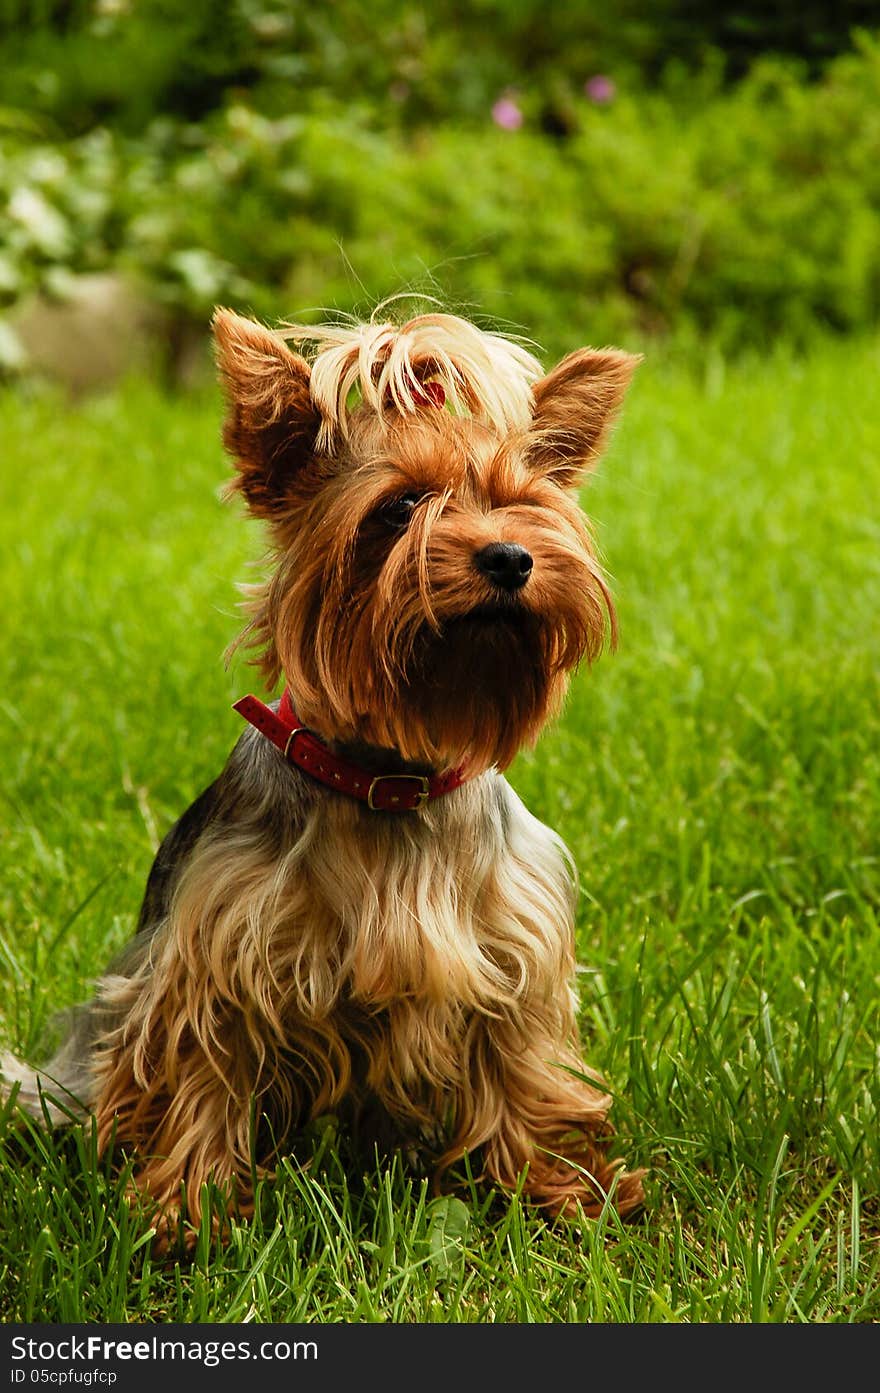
x=385, y=793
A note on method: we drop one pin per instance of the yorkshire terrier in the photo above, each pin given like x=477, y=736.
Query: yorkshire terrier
x=359, y=915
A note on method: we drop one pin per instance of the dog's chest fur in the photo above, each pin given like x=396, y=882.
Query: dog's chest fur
x=298, y=923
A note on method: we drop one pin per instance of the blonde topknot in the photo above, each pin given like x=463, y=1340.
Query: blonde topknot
x=484, y=375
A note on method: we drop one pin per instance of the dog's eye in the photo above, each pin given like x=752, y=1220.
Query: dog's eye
x=398, y=511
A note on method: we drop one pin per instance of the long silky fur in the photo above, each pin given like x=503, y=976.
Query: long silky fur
x=313, y=953
x=359, y=624
x=296, y=952
x=483, y=375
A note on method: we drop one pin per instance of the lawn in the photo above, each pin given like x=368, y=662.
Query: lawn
x=718, y=781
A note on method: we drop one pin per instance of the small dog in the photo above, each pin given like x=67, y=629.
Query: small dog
x=359, y=914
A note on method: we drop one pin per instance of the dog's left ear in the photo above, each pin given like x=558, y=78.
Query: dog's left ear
x=575, y=407
x=272, y=423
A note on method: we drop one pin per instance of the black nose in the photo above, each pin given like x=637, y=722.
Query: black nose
x=507, y=564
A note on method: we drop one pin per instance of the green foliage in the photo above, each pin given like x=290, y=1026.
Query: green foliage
x=718, y=781
x=741, y=215
x=87, y=62
x=83, y=64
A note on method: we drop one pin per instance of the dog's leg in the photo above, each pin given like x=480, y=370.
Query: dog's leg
x=525, y=1098
x=215, y=1110
x=206, y=1034
x=182, y=1105
x=532, y=1108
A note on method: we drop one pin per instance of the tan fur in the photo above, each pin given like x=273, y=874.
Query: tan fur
x=297, y=952
x=451, y=978
x=352, y=670
x=484, y=375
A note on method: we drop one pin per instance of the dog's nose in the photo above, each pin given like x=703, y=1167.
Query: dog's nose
x=507, y=564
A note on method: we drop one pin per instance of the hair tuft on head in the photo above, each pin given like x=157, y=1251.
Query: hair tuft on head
x=482, y=374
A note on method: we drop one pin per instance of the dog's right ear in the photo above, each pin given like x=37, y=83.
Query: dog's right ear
x=271, y=422
x=575, y=408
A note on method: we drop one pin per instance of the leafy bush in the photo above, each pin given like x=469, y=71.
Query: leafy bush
x=754, y=215
x=82, y=63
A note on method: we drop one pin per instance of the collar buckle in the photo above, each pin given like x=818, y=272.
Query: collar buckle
x=297, y=730
x=423, y=794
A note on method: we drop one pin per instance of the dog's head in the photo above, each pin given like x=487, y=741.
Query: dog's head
x=435, y=582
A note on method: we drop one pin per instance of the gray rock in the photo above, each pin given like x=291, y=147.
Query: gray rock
x=99, y=328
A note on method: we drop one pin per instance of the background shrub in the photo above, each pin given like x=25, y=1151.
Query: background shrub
x=286, y=157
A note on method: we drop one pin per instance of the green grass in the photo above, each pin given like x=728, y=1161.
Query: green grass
x=717, y=781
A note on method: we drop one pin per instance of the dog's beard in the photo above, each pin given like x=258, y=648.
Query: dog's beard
x=464, y=677
x=472, y=691
x=483, y=686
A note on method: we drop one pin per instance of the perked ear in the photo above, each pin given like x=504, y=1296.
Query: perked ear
x=271, y=422
x=575, y=408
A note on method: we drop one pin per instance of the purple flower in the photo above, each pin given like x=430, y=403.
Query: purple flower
x=600, y=89
x=506, y=114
